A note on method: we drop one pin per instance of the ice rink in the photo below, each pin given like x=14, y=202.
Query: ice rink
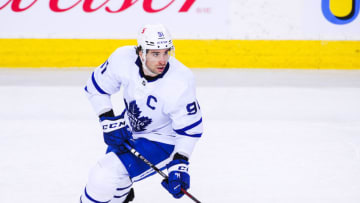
x=271, y=136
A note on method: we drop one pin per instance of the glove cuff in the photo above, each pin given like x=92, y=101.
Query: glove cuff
x=111, y=125
x=178, y=165
x=179, y=168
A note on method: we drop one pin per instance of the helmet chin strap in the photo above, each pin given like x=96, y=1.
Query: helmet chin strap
x=146, y=70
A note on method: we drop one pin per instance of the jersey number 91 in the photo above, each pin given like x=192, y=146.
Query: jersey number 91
x=192, y=108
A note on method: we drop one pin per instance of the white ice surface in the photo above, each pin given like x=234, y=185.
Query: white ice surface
x=271, y=136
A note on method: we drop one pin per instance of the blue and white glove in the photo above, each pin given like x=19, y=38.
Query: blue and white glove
x=178, y=177
x=116, y=131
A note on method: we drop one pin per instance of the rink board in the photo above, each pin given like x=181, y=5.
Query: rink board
x=298, y=54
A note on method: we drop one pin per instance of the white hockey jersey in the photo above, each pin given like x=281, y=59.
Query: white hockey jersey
x=162, y=109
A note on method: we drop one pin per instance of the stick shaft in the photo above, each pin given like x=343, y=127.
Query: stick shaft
x=138, y=155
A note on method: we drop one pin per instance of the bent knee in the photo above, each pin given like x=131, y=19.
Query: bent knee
x=109, y=173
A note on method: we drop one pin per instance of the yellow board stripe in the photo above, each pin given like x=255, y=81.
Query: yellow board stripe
x=298, y=54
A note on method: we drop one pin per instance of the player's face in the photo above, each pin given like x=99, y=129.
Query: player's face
x=156, y=60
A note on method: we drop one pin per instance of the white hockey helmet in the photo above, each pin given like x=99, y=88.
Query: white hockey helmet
x=154, y=37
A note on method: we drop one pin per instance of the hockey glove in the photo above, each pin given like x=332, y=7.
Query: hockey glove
x=178, y=177
x=116, y=131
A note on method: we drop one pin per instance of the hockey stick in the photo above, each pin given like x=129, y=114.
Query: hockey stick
x=138, y=155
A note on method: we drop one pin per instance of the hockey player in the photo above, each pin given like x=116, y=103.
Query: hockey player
x=162, y=119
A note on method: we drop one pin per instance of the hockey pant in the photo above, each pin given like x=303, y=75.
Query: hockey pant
x=111, y=179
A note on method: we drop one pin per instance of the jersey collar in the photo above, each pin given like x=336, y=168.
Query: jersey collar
x=148, y=78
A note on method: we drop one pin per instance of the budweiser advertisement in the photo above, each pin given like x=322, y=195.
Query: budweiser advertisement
x=111, y=18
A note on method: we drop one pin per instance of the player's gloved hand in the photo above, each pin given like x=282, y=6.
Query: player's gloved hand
x=178, y=177
x=116, y=131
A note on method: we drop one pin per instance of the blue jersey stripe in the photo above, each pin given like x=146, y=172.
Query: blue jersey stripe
x=98, y=88
x=183, y=130
x=184, y=133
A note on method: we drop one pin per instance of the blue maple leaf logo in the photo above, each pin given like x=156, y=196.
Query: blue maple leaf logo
x=137, y=123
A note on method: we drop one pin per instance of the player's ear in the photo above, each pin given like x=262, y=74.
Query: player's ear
x=141, y=55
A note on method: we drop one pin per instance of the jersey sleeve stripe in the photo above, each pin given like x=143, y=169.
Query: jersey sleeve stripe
x=183, y=130
x=98, y=88
x=184, y=133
